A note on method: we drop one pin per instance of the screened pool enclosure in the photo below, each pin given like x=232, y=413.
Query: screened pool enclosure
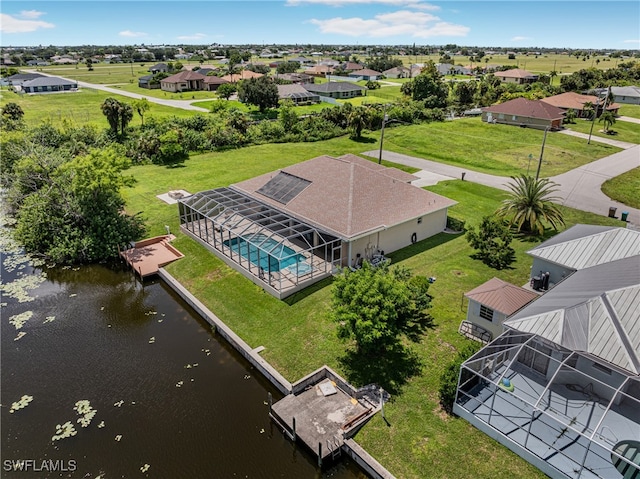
x=568, y=413
x=275, y=250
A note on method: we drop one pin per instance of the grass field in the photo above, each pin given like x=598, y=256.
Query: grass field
x=629, y=110
x=102, y=74
x=299, y=337
x=624, y=188
x=79, y=108
x=496, y=149
x=625, y=131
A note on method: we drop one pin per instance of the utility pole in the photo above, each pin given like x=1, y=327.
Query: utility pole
x=544, y=139
x=385, y=118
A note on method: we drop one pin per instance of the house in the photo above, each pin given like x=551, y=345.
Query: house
x=287, y=229
x=159, y=67
x=350, y=66
x=561, y=386
x=294, y=78
x=582, y=246
x=320, y=70
x=212, y=82
x=525, y=113
x=297, y=93
x=576, y=102
x=183, y=81
x=450, y=69
x=490, y=304
x=146, y=82
x=365, y=74
x=49, y=85
x=397, y=72
x=626, y=94
x=243, y=75
x=337, y=89
x=516, y=75
x=19, y=78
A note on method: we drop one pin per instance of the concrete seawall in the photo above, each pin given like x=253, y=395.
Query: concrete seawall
x=368, y=464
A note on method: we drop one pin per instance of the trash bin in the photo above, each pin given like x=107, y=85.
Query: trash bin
x=624, y=215
x=612, y=212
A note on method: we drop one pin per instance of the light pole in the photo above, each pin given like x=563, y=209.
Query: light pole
x=385, y=118
x=544, y=139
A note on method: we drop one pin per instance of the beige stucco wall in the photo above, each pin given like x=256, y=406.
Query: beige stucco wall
x=473, y=316
x=520, y=120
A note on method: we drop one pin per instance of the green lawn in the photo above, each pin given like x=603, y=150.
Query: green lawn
x=625, y=130
x=629, y=110
x=300, y=110
x=102, y=74
x=388, y=93
x=624, y=188
x=298, y=336
x=79, y=108
x=165, y=95
x=496, y=149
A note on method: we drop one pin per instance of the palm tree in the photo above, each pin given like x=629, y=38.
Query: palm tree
x=608, y=118
x=111, y=109
x=357, y=120
x=589, y=109
x=530, y=204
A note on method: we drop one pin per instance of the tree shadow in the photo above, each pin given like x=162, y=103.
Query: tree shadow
x=421, y=246
x=364, y=139
x=416, y=329
x=391, y=369
x=300, y=295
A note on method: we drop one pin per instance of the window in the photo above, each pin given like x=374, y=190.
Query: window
x=602, y=368
x=486, y=313
x=420, y=220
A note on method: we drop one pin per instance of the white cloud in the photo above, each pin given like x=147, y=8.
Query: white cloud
x=9, y=24
x=520, y=39
x=130, y=34
x=195, y=36
x=418, y=4
x=401, y=22
x=31, y=14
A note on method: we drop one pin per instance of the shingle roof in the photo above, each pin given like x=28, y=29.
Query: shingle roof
x=527, y=108
x=631, y=91
x=48, y=81
x=595, y=310
x=350, y=196
x=243, y=75
x=366, y=72
x=183, y=76
x=334, y=86
x=515, y=73
x=295, y=91
x=575, y=101
x=214, y=80
x=501, y=296
x=591, y=250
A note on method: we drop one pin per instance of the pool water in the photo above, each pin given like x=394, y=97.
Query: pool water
x=272, y=255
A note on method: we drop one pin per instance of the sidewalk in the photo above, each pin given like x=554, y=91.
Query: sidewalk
x=598, y=139
x=579, y=188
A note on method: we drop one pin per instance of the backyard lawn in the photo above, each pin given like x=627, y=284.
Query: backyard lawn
x=299, y=337
x=625, y=130
x=629, y=110
x=624, y=188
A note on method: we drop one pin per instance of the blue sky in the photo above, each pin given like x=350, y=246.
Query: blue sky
x=514, y=23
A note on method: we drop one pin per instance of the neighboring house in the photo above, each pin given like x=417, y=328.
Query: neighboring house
x=38, y=63
x=320, y=70
x=576, y=102
x=297, y=93
x=450, y=69
x=582, y=246
x=365, y=74
x=337, y=89
x=212, y=82
x=397, y=72
x=159, y=68
x=49, y=85
x=525, y=113
x=243, y=75
x=626, y=94
x=490, y=304
x=303, y=61
x=561, y=387
x=287, y=229
x=516, y=75
x=294, y=77
x=19, y=78
x=183, y=81
x=350, y=66
x=146, y=82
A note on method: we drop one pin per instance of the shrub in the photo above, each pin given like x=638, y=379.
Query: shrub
x=449, y=377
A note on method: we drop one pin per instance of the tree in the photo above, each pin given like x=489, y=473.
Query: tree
x=608, y=119
x=118, y=114
x=226, y=90
x=530, y=205
x=126, y=115
x=375, y=305
x=12, y=111
x=142, y=106
x=570, y=116
x=261, y=92
x=429, y=87
x=357, y=120
x=89, y=63
x=287, y=67
x=589, y=108
x=449, y=378
x=492, y=241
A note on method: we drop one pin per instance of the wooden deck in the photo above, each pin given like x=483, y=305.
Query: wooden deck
x=148, y=256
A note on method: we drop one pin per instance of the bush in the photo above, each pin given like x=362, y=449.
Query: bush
x=492, y=241
x=449, y=378
x=455, y=224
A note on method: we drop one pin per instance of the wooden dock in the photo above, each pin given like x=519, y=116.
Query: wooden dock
x=146, y=257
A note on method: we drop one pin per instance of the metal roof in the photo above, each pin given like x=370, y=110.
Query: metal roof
x=48, y=81
x=580, y=249
x=501, y=296
x=594, y=310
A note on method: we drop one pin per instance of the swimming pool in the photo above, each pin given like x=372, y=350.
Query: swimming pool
x=271, y=255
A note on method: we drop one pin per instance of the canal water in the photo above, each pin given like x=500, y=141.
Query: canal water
x=171, y=400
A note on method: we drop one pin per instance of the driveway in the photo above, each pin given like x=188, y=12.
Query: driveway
x=579, y=188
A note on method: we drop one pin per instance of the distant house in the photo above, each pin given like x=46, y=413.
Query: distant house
x=580, y=247
x=525, y=113
x=297, y=93
x=300, y=78
x=350, y=66
x=576, y=102
x=146, y=82
x=183, y=81
x=365, y=74
x=397, y=72
x=337, y=89
x=38, y=63
x=212, y=82
x=49, y=85
x=243, y=75
x=490, y=304
x=516, y=75
x=159, y=67
x=450, y=69
x=19, y=78
x=626, y=94
x=320, y=70
x=303, y=61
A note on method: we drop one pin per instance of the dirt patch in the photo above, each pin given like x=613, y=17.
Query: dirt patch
x=216, y=274
x=441, y=413
x=458, y=273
